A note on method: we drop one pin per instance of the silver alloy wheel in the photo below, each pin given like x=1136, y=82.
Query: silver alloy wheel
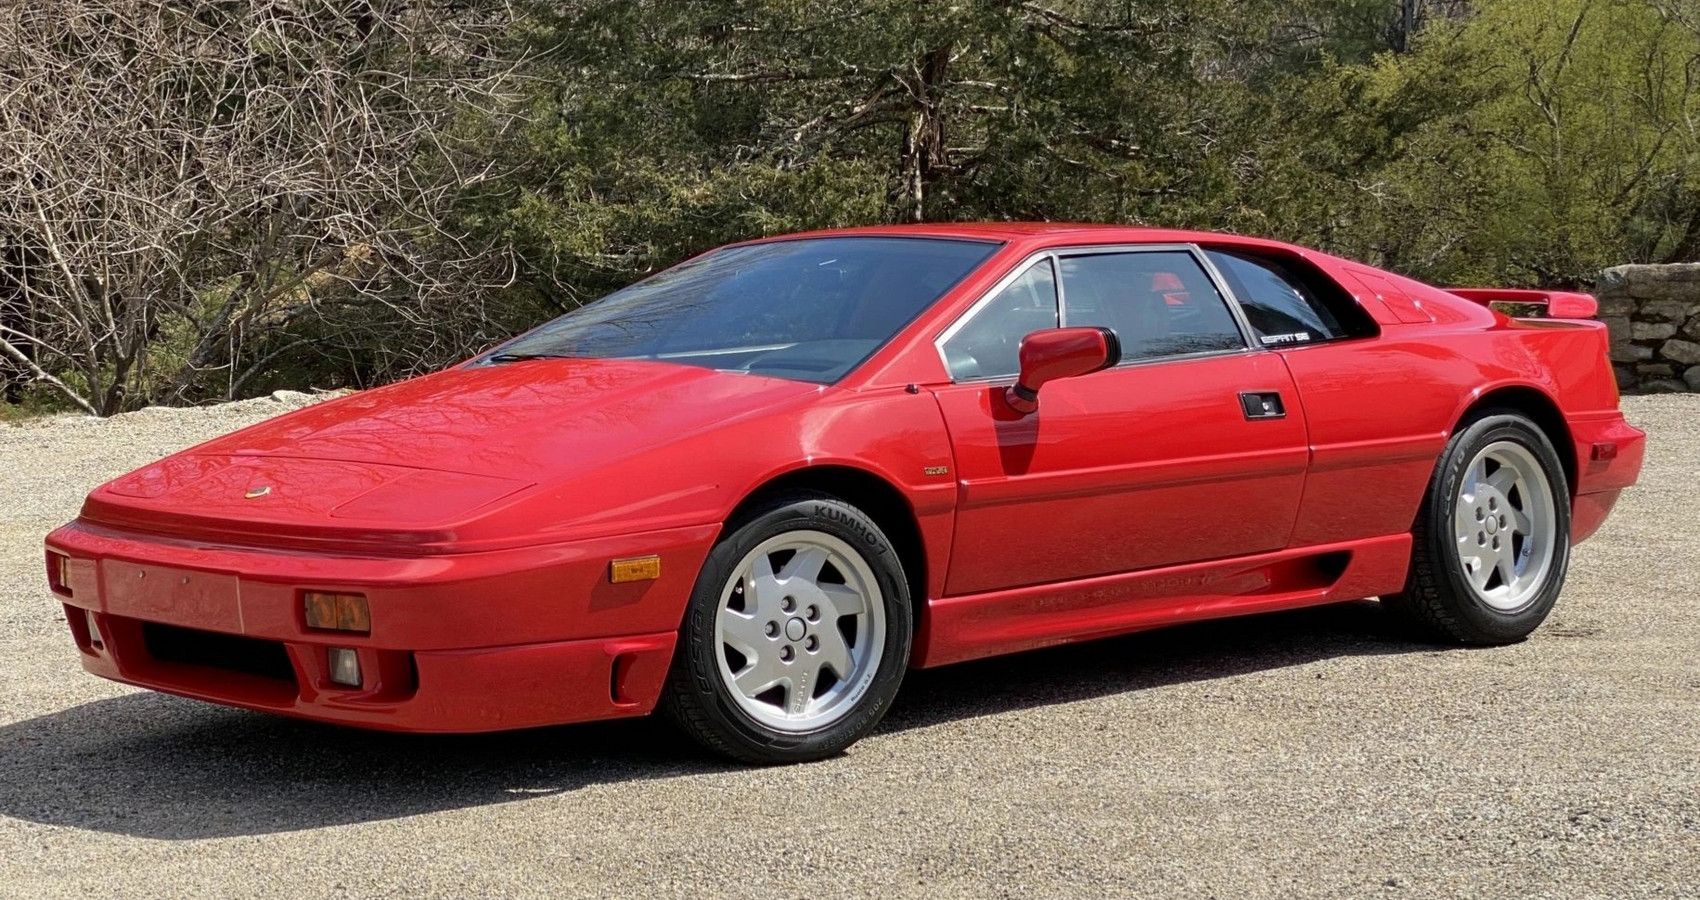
x=1505, y=523
x=802, y=610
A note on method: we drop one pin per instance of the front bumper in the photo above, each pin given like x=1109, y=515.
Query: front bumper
x=459, y=643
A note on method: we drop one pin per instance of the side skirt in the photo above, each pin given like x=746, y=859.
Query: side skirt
x=972, y=626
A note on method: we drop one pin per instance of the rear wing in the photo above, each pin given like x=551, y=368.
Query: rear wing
x=1527, y=304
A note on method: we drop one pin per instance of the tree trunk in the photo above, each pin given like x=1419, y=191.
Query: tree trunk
x=1410, y=16
x=923, y=155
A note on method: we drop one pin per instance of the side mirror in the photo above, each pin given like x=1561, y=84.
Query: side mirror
x=1060, y=353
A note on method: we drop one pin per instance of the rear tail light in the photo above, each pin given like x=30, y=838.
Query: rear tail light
x=59, y=573
x=337, y=612
x=94, y=629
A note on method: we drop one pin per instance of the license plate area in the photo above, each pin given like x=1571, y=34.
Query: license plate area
x=207, y=600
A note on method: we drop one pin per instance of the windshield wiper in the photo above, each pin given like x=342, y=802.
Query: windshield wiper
x=521, y=357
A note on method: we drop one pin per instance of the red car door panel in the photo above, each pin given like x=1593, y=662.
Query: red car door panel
x=1130, y=468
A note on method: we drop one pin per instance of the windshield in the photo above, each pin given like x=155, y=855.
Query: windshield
x=808, y=310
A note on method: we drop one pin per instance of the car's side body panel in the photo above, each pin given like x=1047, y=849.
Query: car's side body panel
x=1131, y=468
x=479, y=508
x=1026, y=618
x=1378, y=412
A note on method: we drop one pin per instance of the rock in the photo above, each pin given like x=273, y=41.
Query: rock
x=1613, y=282
x=1652, y=282
x=1692, y=378
x=1620, y=327
x=1617, y=307
x=1666, y=310
x=1663, y=386
x=299, y=397
x=1687, y=352
x=1631, y=352
x=1652, y=331
x=1626, y=376
x=1654, y=370
x=1692, y=329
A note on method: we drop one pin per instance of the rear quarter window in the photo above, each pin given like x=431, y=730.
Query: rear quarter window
x=1287, y=302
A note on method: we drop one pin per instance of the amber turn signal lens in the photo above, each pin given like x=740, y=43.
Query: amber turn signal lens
x=338, y=612
x=640, y=568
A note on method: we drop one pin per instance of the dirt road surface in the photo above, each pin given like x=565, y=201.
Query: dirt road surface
x=1303, y=754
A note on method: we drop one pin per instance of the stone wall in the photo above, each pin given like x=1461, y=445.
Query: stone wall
x=1654, y=316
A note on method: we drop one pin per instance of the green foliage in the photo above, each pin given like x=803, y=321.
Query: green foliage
x=1521, y=141
x=665, y=127
x=1530, y=143
x=1515, y=142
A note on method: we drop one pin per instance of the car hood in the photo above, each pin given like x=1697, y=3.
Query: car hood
x=410, y=460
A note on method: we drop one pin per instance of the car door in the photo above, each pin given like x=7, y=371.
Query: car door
x=1193, y=448
x=1339, y=357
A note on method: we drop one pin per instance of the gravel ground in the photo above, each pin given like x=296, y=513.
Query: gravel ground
x=1300, y=754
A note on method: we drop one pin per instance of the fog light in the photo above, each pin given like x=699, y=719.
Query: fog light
x=94, y=629
x=345, y=666
x=337, y=612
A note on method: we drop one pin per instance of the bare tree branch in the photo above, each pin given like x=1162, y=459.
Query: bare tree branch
x=174, y=171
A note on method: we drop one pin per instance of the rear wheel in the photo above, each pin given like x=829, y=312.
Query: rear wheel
x=1492, y=541
x=797, y=634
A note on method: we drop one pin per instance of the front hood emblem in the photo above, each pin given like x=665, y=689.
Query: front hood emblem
x=255, y=493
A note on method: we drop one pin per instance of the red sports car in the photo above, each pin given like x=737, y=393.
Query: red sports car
x=756, y=488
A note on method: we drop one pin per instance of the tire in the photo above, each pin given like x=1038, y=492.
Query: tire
x=1518, y=537
x=747, y=626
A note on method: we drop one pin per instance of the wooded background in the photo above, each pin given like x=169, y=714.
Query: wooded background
x=206, y=199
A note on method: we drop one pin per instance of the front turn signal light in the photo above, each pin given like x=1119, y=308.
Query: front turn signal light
x=638, y=568
x=337, y=612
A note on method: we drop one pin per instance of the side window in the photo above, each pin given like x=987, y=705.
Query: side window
x=1281, y=306
x=988, y=345
x=1159, y=303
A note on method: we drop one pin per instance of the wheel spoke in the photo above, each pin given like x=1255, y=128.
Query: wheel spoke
x=834, y=653
x=805, y=564
x=803, y=677
x=1502, y=481
x=1507, y=566
x=760, y=675
x=1479, y=571
x=742, y=631
x=1464, y=522
x=1520, y=521
x=761, y=587
x=844, y=600
x=1471, y=482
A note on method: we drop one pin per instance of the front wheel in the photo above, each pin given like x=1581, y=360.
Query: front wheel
x=797, y=634
x=1491, y=544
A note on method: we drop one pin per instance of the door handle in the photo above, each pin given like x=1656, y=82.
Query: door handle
x=1262, y=405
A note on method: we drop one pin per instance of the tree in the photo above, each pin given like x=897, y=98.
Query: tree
x=665, y=127
x=1532, y=142
x=192, y=191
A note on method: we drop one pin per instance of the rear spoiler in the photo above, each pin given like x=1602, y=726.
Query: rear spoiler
x=1533, y=304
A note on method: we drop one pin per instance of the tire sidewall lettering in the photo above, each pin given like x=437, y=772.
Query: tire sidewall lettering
x=870, y=539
